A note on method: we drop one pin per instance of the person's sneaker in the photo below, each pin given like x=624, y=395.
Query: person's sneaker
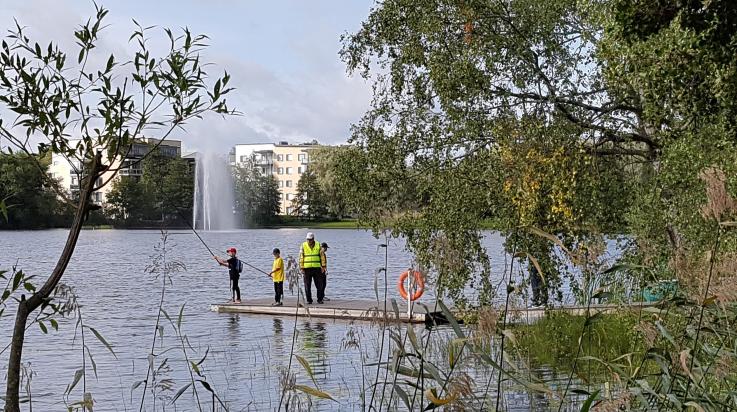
x=237, y=301
x=327, y=299
x=280, y=304
x=309, y=302
x=320, y=302
x=275, y=304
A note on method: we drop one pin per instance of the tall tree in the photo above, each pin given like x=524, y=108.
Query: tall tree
x=573, y=117
x=257, y=195
x=29, y=195
x=322, y=163
x=53, y=94
x=310, y=201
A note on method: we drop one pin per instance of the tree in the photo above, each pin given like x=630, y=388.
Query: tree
x=257, y=195
x=54, y=95
x=126, y=201
x=322, y=163
x=164, y=192
x=30, y=198
x=170, y=185
x=578, y=118
x=310, y=201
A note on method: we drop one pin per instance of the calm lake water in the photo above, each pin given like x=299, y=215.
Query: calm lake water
x=246, y=353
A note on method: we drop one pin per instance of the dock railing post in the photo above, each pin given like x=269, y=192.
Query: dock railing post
x=409, y=295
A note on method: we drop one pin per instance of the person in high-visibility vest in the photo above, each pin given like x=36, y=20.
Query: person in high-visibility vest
x=312, y=264
x=324, y=247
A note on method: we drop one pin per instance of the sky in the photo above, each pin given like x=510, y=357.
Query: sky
x=282, y=56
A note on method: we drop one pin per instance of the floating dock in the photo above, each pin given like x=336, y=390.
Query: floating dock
x=532, y=315
x=371, y=310
x=351, y=309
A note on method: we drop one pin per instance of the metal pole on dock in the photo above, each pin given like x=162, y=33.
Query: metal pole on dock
x=409, y=295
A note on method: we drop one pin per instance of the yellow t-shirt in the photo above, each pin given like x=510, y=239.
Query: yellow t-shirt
x=278, y=265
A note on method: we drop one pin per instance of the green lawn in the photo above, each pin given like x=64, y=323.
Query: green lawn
x=338, y=224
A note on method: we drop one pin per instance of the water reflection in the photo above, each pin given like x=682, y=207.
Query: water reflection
x=233, y=327
x=280, y=345
x=313, y=344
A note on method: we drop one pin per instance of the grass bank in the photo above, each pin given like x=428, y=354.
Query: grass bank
x=554, y=341
x=336, y=224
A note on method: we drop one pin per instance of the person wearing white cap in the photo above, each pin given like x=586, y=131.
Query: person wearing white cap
x=312, y=263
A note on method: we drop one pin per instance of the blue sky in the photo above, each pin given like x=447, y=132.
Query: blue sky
x=282, y=56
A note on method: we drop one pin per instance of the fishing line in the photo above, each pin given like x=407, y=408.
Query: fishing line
x=208, y=248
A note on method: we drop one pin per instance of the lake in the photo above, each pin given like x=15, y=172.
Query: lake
x=246, y=354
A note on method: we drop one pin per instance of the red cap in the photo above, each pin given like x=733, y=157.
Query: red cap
x=231, y=250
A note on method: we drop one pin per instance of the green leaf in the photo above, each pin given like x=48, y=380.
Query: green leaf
x=452, y=320
x=306, y=366
x=102, y=340
x=17, y=279
x=179, y=393
x=43, y=327
x=204, y=357
x=4, y=210
x=586, y=407
x=402, y=395
x=54, y=324
x=314, y=392
x=413, y=339
x=92, y=360
x=195, y=368
x=179, y=319
x=77, y=376
x=209, y=389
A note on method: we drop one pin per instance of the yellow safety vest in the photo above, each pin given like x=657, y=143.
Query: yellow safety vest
x=311, y=257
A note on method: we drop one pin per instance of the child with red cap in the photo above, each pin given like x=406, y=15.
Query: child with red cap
x=235, y=267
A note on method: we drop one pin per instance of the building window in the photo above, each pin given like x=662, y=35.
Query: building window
x=290, y=196
x=56, y=163
x=289, y=158
x=299, y=170
x=289, y=170
x=301, y=157
x=289, y=210
x=281, y=183
x=280, y=171
x=289, y=183
x=280, y=157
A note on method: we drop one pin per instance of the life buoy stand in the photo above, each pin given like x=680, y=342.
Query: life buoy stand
x=420, y=288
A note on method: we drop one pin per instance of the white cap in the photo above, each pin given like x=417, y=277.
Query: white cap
x=310, y=235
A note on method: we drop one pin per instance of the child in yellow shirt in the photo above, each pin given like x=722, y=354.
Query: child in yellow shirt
x=277, y=274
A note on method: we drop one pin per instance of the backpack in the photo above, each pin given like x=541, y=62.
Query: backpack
x=239, y=266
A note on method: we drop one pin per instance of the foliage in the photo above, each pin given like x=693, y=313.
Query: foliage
x=310, y=201
x=578, y=118
x=108, y=104
x=29, y=197
x=163, y=193
x=257, y=195
x=609, y=337
x=324, y=163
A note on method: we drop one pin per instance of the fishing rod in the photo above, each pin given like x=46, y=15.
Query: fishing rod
x=208, y=248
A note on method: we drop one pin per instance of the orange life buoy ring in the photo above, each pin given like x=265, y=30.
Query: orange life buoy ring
x=418, y=281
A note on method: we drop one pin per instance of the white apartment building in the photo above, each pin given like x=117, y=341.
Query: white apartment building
x=282, y=160
x=67, y=172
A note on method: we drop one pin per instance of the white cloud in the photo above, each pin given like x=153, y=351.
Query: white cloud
x=290, y=82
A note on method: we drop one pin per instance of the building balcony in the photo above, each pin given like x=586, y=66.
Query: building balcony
x=131, y=172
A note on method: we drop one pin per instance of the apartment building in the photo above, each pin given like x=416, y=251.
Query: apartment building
x=67, y=172
x=282, y=160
